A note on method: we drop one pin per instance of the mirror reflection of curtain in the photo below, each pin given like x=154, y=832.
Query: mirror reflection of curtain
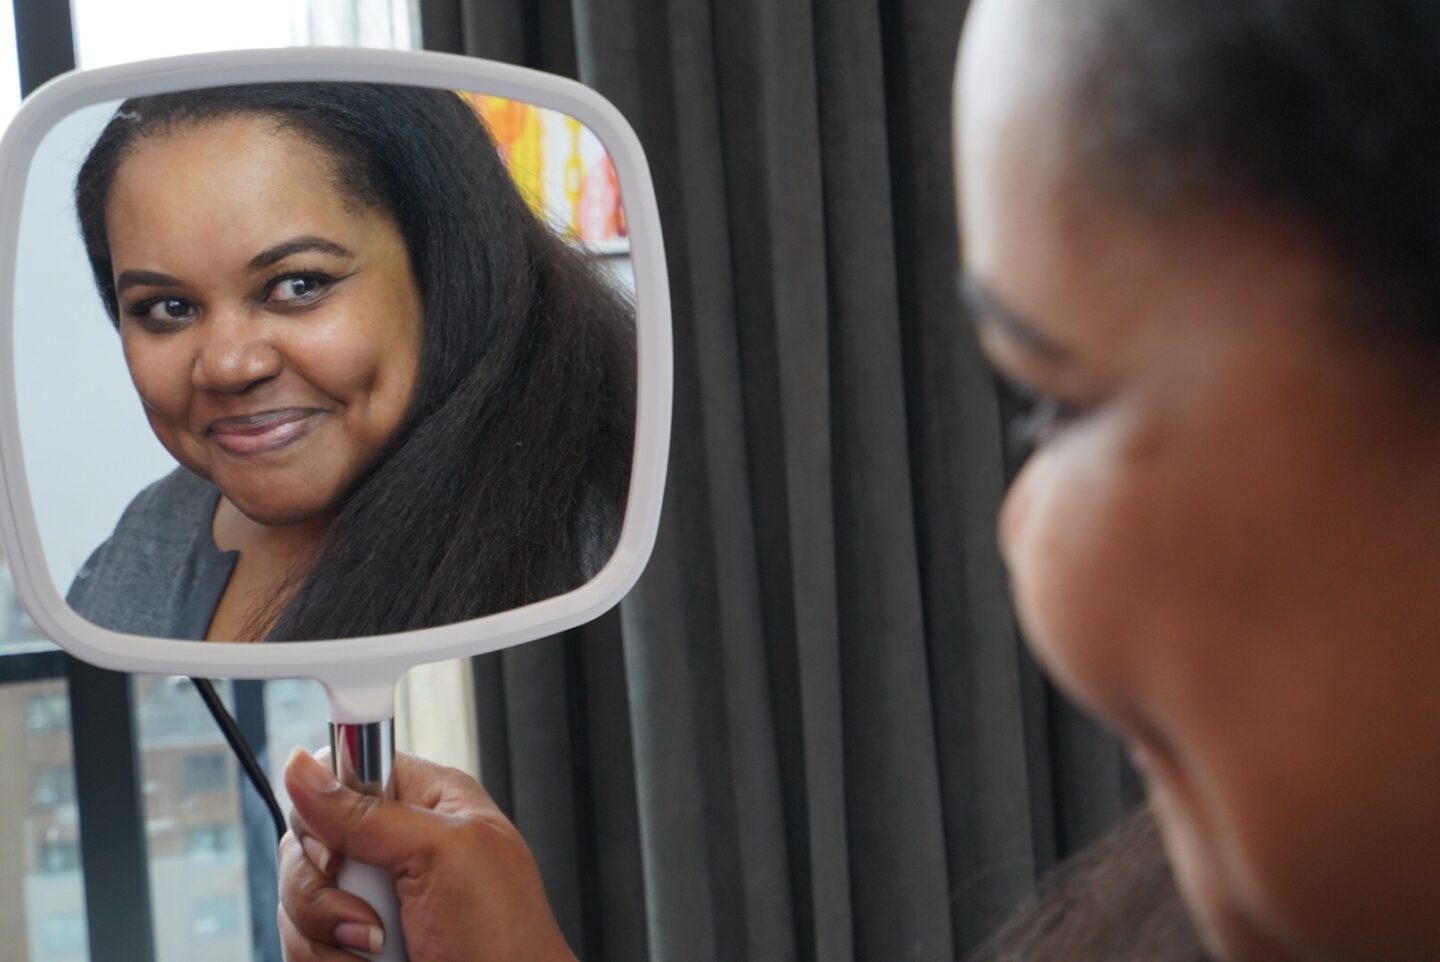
x=811, y=732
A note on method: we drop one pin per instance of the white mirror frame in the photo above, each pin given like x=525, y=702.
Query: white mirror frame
x=358, y=673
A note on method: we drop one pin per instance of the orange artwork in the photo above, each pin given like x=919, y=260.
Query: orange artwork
x=561, y=170
x=516, y=129
x=600, y=216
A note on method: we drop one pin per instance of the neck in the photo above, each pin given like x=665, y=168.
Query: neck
x=281, y=546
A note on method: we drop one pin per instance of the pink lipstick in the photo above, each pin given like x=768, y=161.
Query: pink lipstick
x=263, y=432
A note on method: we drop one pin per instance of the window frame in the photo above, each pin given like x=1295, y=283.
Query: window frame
x=114, y=866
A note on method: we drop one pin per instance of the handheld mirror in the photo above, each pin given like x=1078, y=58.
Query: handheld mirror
x=326, y=363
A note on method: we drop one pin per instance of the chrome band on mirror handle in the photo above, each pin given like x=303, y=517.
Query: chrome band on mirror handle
x=363, y=756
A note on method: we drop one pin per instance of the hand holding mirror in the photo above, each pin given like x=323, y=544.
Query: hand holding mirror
x=374, y=394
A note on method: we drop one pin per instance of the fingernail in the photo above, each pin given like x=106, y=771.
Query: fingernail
x=355, y=935
x=311, y=773
x=318, y=854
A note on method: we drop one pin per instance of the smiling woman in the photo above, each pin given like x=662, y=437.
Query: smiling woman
x=276, y=346
x=272, y=362
x=397, y=398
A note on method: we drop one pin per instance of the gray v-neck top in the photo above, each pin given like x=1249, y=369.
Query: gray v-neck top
x=160, y=573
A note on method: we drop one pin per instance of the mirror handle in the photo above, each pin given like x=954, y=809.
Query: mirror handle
x=363, y=758
x=375, y=886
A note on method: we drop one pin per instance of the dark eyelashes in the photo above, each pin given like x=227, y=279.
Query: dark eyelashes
x=323, y=283
x=1045, y=416
x=1029, y=417
x=142, y=307
x=140, y=310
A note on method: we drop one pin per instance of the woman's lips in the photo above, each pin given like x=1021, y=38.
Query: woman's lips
x=263, y=432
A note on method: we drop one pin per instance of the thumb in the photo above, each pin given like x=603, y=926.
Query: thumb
x=367, y=828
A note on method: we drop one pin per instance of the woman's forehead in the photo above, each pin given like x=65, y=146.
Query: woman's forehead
x=223, y=148
x=223, y=191
x=1011, y=135
x=1014, y=54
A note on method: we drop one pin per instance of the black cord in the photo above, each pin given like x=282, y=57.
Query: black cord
x=242, y=751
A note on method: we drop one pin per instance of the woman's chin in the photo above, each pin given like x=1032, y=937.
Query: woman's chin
x=264, y=508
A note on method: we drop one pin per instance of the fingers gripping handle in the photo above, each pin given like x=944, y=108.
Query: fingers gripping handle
x=363, y=757
x=375, y=886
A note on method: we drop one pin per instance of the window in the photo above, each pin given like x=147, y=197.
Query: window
x=196, y=839
x=44, y=920
x=9, y=65
x=47, y=712
x=62, y=936
x=212, y=842
x=107, y=32
x=52, y=788
x=207, y=772
x=171, y=714
x=215, y=918
x=58, y=856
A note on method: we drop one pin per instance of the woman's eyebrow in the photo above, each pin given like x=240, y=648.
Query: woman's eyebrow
x=276, y=254
x=985, y=307
x=129, y=279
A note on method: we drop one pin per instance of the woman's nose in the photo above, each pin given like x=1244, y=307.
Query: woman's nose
x=236, y=354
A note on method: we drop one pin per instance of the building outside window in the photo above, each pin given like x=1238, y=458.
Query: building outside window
x=211, y=843
x=51, y=788
x=47, y=712
x=60, y=855
x=206, y=773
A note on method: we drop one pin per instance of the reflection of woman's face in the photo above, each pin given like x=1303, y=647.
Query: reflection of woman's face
x=270, y=322
x=1227, y=543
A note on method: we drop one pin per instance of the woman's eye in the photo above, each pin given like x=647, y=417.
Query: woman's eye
x=297, y=288
x=163, y=312
x=1039, y=424
x=1031, y=419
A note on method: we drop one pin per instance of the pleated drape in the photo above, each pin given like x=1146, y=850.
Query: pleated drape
x=811, y=732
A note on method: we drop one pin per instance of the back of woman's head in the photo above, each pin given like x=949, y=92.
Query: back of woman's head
x=505, y=481
x=1114, y=902
x=1321, y=111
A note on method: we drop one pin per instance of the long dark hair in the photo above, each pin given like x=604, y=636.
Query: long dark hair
x=506, y=479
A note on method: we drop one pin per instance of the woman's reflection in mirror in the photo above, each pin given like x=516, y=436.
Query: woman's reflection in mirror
x=397, y=397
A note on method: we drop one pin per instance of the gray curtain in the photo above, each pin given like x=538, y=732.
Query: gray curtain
x=811, y=732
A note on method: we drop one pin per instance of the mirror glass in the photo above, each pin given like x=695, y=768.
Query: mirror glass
x=320, y=360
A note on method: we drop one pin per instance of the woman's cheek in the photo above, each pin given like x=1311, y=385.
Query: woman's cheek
x=161, y=375
x=356, y=354
x=156, y=384
x=159, y=367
